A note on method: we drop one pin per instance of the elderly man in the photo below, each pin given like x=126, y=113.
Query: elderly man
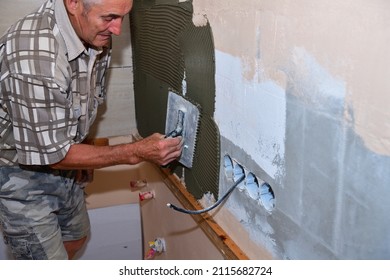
x=53, y=64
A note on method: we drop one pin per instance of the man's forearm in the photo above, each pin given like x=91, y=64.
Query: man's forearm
x=154, y=148
x=84, y=156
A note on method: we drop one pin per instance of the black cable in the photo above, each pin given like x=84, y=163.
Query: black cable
x=194, y=212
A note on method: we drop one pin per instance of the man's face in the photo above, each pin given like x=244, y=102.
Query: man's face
x=95, y=25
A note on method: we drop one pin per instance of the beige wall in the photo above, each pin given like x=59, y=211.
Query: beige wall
x=344, y=37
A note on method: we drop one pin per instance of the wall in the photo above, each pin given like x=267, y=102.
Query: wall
x=116, y=116
x=302, y=102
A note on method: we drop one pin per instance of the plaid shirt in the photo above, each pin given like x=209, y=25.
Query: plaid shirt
x=50, y=87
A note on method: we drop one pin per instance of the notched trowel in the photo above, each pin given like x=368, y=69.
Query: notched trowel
x=182, y=120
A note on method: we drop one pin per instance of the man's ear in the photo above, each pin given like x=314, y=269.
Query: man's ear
x=72, y=6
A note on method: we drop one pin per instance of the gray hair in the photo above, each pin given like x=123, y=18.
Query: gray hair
x=89, y=3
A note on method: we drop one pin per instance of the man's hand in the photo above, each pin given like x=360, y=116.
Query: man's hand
x=158, y=149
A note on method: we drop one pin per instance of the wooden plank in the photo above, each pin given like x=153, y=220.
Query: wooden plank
x=217, y=235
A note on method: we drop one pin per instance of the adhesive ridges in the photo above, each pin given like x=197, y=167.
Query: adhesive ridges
x=167, y=48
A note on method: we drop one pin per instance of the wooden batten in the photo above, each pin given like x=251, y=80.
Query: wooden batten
x=217, y=235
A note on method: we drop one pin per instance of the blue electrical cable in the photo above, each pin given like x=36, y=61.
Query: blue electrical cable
x=194, y=212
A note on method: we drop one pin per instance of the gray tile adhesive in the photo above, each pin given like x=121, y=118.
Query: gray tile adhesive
x=167, y=47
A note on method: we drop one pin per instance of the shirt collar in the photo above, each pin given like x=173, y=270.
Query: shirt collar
x=74, y=45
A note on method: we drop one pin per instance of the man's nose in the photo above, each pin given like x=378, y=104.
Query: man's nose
x=116, y=26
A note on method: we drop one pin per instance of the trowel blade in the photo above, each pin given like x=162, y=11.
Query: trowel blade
x=177, y=102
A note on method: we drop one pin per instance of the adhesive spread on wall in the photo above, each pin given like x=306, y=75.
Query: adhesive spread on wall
x=172, y=53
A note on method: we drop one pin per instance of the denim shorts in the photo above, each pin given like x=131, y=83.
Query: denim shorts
x=39, y=209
